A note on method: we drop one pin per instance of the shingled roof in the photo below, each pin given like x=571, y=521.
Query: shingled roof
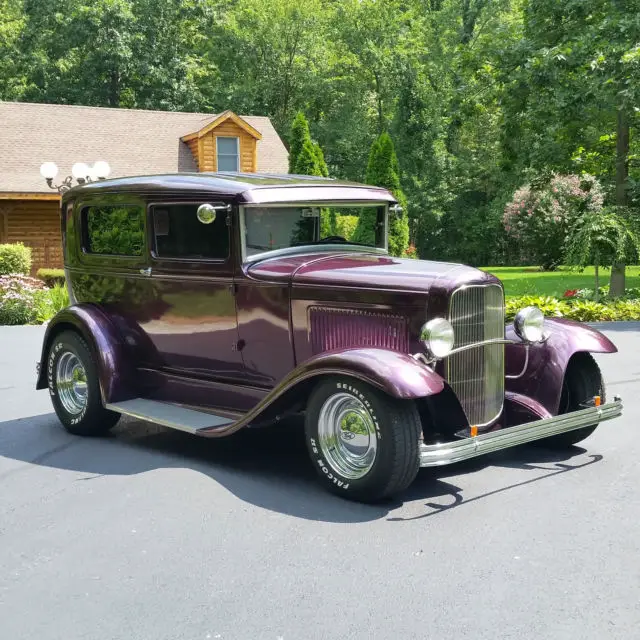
x=133, y=142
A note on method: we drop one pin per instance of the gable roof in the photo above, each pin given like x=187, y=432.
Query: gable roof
x=132, y=141
x=223, y=117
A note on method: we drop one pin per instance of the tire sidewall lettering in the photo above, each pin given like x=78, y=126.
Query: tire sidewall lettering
x=338, y=482
x=344, y=386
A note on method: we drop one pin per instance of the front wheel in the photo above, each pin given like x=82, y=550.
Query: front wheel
x=72, y=377
x=582, y=382
x=364, y=445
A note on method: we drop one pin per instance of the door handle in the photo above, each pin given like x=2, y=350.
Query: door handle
x=146, y=272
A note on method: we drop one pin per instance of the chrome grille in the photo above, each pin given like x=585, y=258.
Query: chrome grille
x=477, y=375
x=347, y=328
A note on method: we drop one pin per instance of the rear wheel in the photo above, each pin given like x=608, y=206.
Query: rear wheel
x=74, y=387
x=364, y=445
x=582, y=382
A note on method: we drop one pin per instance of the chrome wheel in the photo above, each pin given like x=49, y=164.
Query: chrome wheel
x=347, y=435
x=71, y=383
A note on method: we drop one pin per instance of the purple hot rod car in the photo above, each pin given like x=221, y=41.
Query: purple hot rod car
x=213, y=302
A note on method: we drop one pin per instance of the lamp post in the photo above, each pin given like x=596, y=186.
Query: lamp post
x=82, y=173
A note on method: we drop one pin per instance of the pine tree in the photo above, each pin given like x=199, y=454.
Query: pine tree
x=305, y=156
x=307, y=160
x=299, y=135
x=383, y=171
x=322, y=165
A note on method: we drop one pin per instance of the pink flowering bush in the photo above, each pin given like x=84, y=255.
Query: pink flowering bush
x=23, y=300
x=539, y=218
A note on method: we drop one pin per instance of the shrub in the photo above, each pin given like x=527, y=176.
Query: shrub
x=15, y=258
x=23, y=300
x=346, y=226
x=576, y=308
x=540, y=215
x=58, y=297
x=51, y=277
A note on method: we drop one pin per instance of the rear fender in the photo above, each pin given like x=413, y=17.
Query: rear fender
x=548, y=361
x=109, y=350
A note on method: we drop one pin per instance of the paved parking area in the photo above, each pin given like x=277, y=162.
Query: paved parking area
x=153, y=534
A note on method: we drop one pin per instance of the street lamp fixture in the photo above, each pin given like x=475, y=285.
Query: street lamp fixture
x=80, y=171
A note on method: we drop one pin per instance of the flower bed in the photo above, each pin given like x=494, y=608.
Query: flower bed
x=579, y=306
x=25, y=300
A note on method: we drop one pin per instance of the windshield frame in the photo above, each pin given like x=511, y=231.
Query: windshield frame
x=303, y=248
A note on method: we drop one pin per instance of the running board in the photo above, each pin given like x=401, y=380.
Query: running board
x=170, y=415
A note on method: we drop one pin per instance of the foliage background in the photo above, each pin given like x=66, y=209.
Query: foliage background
x=478, y=96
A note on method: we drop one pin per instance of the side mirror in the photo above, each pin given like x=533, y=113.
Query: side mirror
x=395, y=210
x=207, y=212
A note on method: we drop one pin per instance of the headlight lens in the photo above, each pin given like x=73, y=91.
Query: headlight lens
x=437, y=336
x=529, y=324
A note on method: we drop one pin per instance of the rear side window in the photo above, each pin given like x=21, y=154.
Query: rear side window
x=179, y=233
x=114, y=230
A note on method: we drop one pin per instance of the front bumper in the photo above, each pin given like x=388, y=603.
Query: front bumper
x=434, y=455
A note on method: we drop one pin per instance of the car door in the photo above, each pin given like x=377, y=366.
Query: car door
x=109, y=260
x=191, y=273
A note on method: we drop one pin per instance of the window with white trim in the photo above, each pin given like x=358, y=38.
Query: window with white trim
x=228, y=154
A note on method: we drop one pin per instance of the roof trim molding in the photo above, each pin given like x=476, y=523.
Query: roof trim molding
x=16, y=195
x=223, y=117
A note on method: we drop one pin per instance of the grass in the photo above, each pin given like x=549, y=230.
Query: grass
x=522, y=281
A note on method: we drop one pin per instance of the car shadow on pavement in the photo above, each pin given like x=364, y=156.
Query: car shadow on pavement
x=265, y=467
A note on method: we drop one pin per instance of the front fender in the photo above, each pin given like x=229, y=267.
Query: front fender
x=548, y=361
x=397, y=374
x=104, y=341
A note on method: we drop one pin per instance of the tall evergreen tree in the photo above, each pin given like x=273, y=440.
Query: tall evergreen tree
x=383, y=171
x=307, y=161
x=299, y=135
x=305, y=156
x=322, y=165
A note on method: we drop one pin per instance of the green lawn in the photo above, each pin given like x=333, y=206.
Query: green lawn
x=519, y=281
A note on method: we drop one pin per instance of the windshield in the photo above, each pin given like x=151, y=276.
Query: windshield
x=271, y=228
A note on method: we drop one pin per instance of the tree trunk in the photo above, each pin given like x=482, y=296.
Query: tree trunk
x=617, y=282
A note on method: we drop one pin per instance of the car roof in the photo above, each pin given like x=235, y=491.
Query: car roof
x=247, y=187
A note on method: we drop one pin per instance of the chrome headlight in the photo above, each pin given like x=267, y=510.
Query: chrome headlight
x=437, y=337
x=529, y=324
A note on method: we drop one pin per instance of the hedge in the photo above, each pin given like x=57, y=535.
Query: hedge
x=15, y=258
x=576, y=308
x=51, y=277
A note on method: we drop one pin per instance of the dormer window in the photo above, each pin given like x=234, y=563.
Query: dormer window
x=228, y=153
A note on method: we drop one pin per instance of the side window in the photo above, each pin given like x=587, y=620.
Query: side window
x=114, y=230
x=180, y=234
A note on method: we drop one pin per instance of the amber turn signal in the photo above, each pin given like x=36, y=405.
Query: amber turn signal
x=597, y=400
x=474, y=432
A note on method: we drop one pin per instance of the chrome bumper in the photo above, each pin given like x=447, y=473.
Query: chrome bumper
x=434, y=455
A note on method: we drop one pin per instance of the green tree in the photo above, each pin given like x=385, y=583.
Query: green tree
x=307, y=161
x=299, y=135
x=603, y=238
x=383, y=171
x=305, y=156
x=320, y=161
x=574, y=84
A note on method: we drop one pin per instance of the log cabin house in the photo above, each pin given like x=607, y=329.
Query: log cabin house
x=133, y=142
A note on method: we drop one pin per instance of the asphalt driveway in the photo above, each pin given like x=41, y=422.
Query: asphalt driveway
x=154, y=534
